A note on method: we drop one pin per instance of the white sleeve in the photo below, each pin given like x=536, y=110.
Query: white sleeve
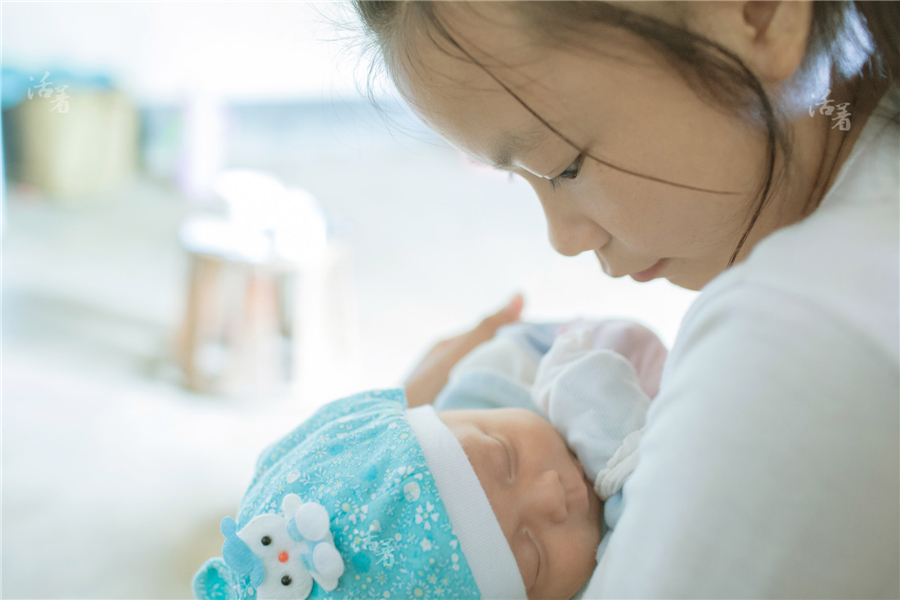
x=769, y=466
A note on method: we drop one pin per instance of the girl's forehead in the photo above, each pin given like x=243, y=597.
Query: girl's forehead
x=485, y=95
x=462, y=103
x=439, y=75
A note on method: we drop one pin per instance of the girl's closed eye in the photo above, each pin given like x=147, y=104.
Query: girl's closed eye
x=569, y=174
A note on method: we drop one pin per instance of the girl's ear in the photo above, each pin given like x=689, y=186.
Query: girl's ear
x=769, y=37
x=781, y=29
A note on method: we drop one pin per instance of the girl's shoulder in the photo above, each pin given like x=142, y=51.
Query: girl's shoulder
x=843, y=261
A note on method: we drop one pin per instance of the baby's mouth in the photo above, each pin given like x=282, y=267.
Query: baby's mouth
x=579, y=467
x=577, y=493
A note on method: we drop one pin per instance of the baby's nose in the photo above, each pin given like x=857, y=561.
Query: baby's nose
x=550, y=498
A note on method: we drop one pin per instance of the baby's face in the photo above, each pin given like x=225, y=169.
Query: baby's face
x=548, y=512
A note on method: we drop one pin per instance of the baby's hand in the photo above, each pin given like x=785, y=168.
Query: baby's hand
x=639, y=345
x=568, y=348
x=592, y=396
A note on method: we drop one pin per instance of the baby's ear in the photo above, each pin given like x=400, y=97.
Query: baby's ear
x=214, y=581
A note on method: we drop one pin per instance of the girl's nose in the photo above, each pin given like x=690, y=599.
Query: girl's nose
x=548, y=500
x=571, y=233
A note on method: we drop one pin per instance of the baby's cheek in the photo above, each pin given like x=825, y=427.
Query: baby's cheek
x=575, y=555
x=529, y=564
x=522, y=547
x=526, y=558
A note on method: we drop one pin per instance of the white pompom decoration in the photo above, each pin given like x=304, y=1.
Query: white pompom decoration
x=328, y=561
x=312, y=521
x=290, y=504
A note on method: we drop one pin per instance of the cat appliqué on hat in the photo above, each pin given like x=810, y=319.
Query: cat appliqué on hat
x=284, y=554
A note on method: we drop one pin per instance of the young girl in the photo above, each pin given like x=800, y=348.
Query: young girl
x=745, y=149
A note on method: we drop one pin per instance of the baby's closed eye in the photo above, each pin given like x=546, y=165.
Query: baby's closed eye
x=507, y=470
x=528, y=556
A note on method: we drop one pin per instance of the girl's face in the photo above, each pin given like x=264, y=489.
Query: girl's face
x=621, y=104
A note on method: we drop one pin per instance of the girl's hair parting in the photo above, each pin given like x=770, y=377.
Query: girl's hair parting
x=853, y=37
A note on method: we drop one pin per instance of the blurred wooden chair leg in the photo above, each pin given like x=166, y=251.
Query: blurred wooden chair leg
x=198, y=325
x=252, y=327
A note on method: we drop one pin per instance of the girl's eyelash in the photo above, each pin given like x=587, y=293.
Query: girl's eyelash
x=566, y=175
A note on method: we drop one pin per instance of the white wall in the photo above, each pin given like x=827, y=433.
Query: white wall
x=159, y=52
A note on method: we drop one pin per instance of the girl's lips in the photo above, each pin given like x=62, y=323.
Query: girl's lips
x=651, y=273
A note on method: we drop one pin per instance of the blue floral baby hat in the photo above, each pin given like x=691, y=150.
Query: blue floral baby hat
x=366, y=499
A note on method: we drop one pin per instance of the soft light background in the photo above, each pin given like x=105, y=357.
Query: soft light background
x=114, y=478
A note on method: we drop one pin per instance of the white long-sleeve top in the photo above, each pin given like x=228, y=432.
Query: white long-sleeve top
x=770, y=463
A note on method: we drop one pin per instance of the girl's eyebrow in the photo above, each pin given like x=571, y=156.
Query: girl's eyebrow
x=510, y=146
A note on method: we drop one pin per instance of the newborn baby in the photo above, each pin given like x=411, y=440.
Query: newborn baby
x=370, y=499
x=594, y=397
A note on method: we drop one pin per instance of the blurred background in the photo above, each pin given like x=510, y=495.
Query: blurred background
x=208, y=232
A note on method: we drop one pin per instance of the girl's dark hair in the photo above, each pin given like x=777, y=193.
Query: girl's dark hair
x=844, y=34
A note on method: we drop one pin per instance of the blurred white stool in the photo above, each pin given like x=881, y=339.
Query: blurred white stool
x=256, y=322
